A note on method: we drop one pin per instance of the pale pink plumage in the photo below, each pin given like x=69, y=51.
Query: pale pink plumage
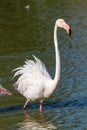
x=34, y=81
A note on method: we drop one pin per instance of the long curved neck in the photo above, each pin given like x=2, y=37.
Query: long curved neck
x=57, y=71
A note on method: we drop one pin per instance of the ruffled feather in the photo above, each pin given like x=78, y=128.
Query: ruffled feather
x=31, y=79
x=32, y=69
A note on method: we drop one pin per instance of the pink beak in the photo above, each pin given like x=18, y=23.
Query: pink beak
x=4, y=91
x=67, y=28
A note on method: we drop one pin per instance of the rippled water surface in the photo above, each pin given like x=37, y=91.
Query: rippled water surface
x=26, y=31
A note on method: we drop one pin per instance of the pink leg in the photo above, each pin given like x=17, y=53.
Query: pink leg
x=25, y=104
x=41, y=106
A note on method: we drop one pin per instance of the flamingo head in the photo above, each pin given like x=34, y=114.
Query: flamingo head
x=4, y=91
x=62, y=24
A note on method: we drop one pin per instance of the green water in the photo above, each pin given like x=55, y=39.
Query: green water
x=24, y=32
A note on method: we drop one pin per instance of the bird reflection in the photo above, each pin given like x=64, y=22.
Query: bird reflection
x=37, y=123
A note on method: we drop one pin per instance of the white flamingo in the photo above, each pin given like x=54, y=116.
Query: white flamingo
x=4, y=91
x=34, y=82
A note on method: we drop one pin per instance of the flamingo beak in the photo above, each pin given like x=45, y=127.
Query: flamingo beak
x=67, y=28
x=9, y=93
x=70, y=31
x=5, y=92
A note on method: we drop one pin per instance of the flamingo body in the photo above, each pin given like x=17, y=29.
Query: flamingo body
x=34, y=82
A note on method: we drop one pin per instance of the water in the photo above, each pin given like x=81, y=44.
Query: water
x=26, y=31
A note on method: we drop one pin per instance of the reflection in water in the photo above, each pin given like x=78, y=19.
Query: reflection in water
x=35, y=123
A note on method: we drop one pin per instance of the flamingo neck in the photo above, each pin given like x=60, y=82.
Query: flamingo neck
x=57, y=71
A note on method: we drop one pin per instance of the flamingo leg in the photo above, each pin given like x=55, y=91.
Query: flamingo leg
x=41, y=106
x=25, y=104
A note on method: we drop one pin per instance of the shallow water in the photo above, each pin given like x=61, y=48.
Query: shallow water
x=24, y=32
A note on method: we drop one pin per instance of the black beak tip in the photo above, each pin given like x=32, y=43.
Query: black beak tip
x=70, y=32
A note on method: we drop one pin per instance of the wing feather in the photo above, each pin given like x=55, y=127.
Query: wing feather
x=31, y=73
x=32, y=69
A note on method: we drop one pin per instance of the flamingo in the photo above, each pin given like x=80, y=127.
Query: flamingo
x=4, y=91
x=34, y=82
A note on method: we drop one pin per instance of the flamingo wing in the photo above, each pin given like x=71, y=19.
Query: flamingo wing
x=32, y=76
